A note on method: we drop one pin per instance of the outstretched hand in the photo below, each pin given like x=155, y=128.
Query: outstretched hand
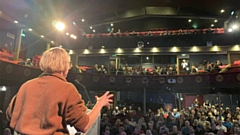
x=105, y=99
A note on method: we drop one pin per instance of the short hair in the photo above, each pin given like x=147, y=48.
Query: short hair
x=55, y=60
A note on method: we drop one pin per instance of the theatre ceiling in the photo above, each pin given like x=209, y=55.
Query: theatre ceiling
x=127, y=15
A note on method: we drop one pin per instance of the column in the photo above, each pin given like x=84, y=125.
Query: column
x=178, y=68
x=116, y=63
x=229, y=57
x=17, y=46
x=116, y=97
x=48, y=46
x=74, y=59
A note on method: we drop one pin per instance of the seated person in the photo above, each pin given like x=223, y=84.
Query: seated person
x=5, y=49
x=28, y=62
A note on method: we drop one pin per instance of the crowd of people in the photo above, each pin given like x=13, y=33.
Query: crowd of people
x=204, y=119
x=156, y=32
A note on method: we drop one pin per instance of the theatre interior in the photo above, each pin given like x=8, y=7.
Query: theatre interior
x=164, y=60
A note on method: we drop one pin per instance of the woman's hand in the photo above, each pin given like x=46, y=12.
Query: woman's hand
x=105, y=99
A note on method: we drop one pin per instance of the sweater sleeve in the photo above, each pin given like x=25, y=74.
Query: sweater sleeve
x=10, y=108
x=76, y=111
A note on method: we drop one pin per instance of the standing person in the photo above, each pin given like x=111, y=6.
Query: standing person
x=47, y=104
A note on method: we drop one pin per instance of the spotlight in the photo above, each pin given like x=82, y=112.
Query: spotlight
x=234, y=26
x=60, y=26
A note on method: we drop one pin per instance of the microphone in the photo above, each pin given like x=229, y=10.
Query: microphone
x=76, y=81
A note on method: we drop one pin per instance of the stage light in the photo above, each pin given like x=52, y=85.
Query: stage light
x=234, y=27
x=60, y=26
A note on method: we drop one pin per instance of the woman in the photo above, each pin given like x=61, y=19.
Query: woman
x=48, y=103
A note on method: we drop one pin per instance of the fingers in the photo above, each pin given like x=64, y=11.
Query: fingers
x=106, y=93
x=110, y=96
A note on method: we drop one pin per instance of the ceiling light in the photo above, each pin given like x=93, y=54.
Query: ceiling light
x=86, y=51
x=215, y=21
x=15, y=21
x=70, y=51
x=3, y=88
x=83, y=20
x=94, y=30
x=222, y=10
x=232, y=13
x=234, y=26
x=189, y=20
x=42, y=36
x=74, y=23
x=67, y=33
x=154, y=49
x=119, y=50
x=30, y=29
x=236, y=48
x=174, y=49
x=102, y=51
x=52, y=42
x=215, y=48
x=111, y=24
x=137, y=50
x=60, y=46
x=90, y=27
x=229, y=30
x=212, y=25
x=60, y=26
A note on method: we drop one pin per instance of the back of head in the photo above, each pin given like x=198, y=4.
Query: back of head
x=55, y=60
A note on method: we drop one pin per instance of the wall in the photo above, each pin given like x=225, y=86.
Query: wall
x=92, y=60
x=234, y=57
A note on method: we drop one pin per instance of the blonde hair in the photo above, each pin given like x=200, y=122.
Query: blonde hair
x=55, y=60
